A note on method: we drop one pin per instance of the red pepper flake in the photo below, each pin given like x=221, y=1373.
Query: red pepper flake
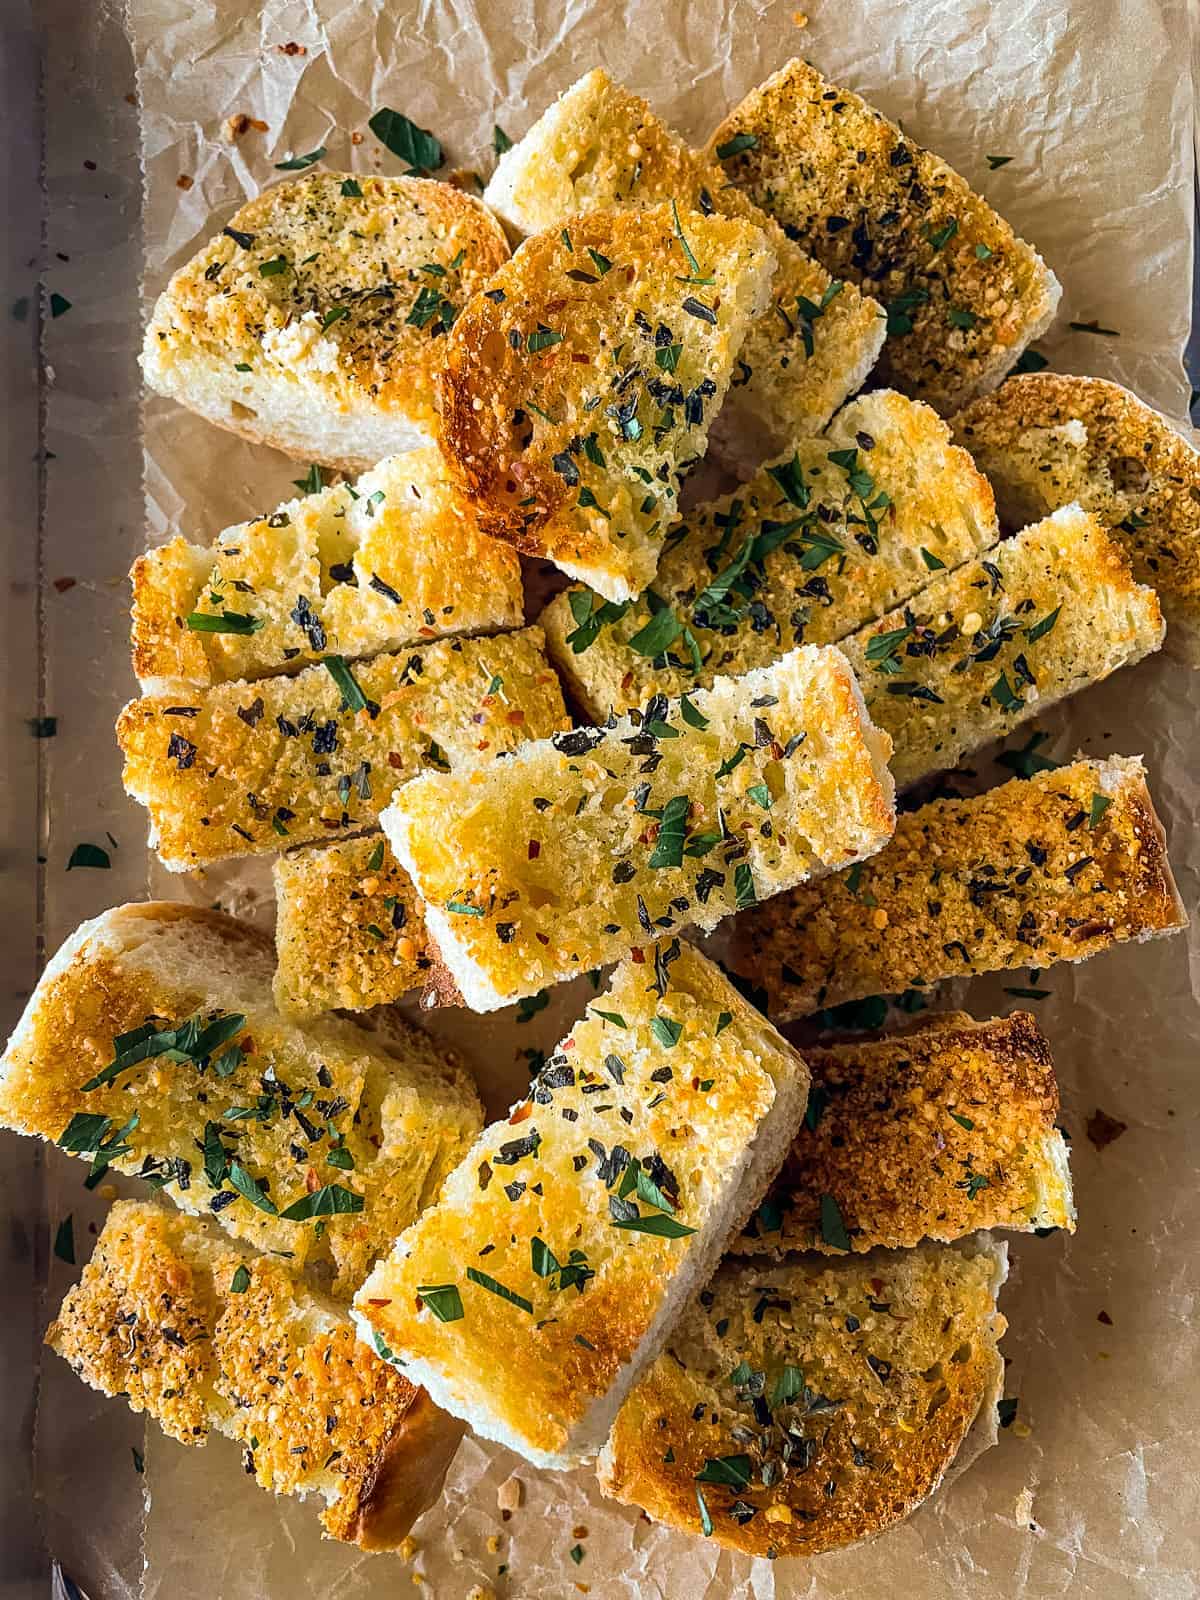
x=311, y=1182
x=535, y=849
x=1103, y=1129
x=1105, y=1319
x=638, y=957
x=394, y=760
x=184, y=182
x=292, y=49
x=542, y=938
x=379, y=1302
x=523, y=1111
x=516, y=718
x=63, y=584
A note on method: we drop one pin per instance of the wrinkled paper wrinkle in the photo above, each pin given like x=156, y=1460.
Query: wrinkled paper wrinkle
x=1092, y=1493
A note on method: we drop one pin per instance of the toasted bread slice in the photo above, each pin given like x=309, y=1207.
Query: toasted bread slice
x=247, y=768
x=599, y=146
x=571, y=853
x=846, y=526
x=314, y=322
x=205, y=1337
x=151, y=1045
x=579, y=388
x=1053, y=868
x=1046, y=440
x=349, y=933
x=804, y=1406
x=981, y=650
x=547, y=1277
x=930, y=1133
x=392, y=560
x=964, y=295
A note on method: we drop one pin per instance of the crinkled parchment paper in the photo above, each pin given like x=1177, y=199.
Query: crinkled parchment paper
x=1093, y=1491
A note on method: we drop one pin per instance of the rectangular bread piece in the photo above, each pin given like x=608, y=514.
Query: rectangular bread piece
x=930, y=1133
x=802, y=1406
x=349, y=929
x=246, y=769
x=981, y=650
x=578, y=389
x=1046, y=440
x=313, y=322
x=581, y=847
x=599, y=146
x=964, y=295
x=152, y=1045
x=530, y=1299
x=356, y=569
x=1052, y=868
x=206, y=1337
x=848, y=525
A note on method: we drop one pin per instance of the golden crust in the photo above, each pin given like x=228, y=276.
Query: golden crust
x=561, y=333
x=326, y=297
x=549, y=863
x=889, y=1359
x=859, y=535
x=553, y=1172
x=395, y=559
x=964, y=294
x=245, y=769
x=155, y=1317
x=1046, y=440
x=1018, y=876
x=396, y=1109
x=599, y=146
x=983, y=649
x=932, y=1133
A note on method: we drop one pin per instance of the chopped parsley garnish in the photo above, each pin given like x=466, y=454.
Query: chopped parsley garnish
x=900, y=310
x=689, y=255
x=403, y=138
x=312, y=482
x=353, y=699
x=833, y=1228
x=298, y=163
x=351, y=189
x=1040, y=629
x=732, y=1472
x=1002, y=692
x=223, y=622
x=941, y=236
x=59, y=305
x=668, y=848
x=735, y=146
x=1100, y=804
x=240, y=1281
x=1094, y=327
x=64, y=1240
x=743, y=887
x=931, y=561
x=958, y=317
x=443, y=1299
x=274, y=268
x=500, y=140
x=808, y=311
x=1026, y=761
x=494, y=1286
x=89, y=855
x=250, y=1189
x=997, y=161
x=660, y=1225
x=375, y=860
x=543, y=338
x=529, y=1005
x=706, y=1526
x=191, y=1040
x=665, y=1030
x=331, y=1200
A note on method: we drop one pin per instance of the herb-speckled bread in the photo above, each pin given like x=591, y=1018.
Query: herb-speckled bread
x=964, y=296
x=315, y=320
x=804, y=1405
x=847, y=525
x=530, y=1299
x=599, y=146
x=250, y=768
x=579, y=387
x=1052, y=868
x=152, y=1045
x=571, y=852
x=1045, y=440
x=205, y=1337
x=930, y=1133
x=983, y=649
x=356, y=569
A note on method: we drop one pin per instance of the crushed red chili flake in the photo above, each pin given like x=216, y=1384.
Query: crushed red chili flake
x=1103, y=1129
x=63, y=584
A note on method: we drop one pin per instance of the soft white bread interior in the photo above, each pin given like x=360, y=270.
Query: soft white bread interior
x=532, y=1297
x=932, y=1132
x=580, y=386
x=983, y=649
x=599, y=146
x=1057, y=867
x=151, y=1045
x=205, y=1337
x=578, y=848
x=805, y=1405
x=315, y=320
x=849, y=524
x=1046, y=440
x=356, y=569
x=964, y=295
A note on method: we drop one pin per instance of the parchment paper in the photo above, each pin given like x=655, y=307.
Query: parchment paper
x=1093, y=1491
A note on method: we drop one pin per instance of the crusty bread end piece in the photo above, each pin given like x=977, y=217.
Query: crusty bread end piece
x=531, y=1298
x=199, y=1086
x=313, y=321
x=930, y=1133
x=803, y=1406
x=1057, y=867
x=246, y=769
x=580, y=386
x=964, y=295
x=1045, y=440
x=206, y=1337
x=981, y=650
x=599, y=146
x=576, y=849
x=356, y=569
x=846, y=526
